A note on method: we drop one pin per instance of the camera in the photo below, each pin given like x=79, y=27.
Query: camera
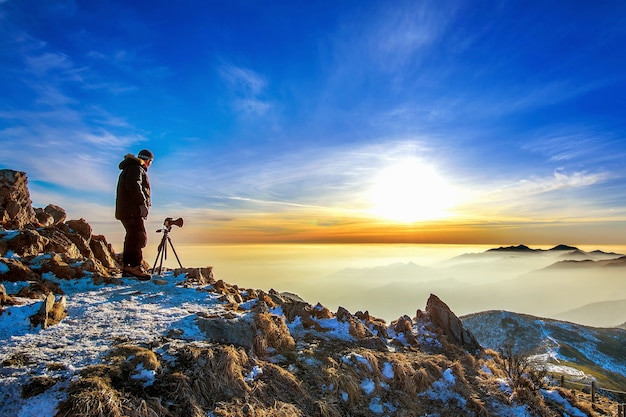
x=169, y=222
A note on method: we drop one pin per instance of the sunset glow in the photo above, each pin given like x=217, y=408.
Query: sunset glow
x=411, y=191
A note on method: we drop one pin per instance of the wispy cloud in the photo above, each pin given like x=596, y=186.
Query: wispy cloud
x=559, y=195
x=579, y=143
x=248, y=88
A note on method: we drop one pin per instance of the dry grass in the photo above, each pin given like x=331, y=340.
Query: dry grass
x=272, y=333
x=343, y=381
x=215, y=373
x=213, y=379
x=37, y=385
x=91, y=397
x=328, y=407
x=253, y=409
x=280, y=383
x=132, y=356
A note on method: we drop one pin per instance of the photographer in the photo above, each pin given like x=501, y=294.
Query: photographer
x=131, y=208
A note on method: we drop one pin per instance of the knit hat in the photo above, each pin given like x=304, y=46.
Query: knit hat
x=146, y=154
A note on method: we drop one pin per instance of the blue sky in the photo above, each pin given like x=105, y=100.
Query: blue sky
x=425, y=121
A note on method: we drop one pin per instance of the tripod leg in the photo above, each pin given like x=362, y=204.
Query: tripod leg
x=174, y=250
x=160, y=254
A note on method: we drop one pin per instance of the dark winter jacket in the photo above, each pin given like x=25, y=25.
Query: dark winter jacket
x=133, y=189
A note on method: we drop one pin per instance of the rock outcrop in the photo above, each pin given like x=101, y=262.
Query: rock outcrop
x=16, y=210
x=451, y=326
x=35, y=242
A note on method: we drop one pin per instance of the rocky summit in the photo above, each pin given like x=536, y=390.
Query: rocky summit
x=80, y=340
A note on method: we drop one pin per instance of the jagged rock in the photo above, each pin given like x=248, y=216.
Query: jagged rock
x=44, y=219
x=359, y=331
x=60, y=243
x=303, y=310
x=200, y=276
x=402, y=325
x=293, y=297
x=94, y=266
x=27, y=243
x=57, y=213
x=376, y=325
x=81, y=227
x=60, y=268
x=451, y=326
x=320, y=311
x=16, y=211
x=50, y=312
x=81, y=243
x=14, y=271
x=231, y=300
x=222, y=287
x=228, y=330
x=103, y=252
x=5, y=299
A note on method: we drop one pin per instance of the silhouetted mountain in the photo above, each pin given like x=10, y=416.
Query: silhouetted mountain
x=589, y=263
x=518, y=248
x=564, y=247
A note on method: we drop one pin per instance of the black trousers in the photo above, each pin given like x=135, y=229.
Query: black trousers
x=135, y=240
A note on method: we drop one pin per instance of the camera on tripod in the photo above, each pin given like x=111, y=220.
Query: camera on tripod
x=162, y=250
x=169, y=222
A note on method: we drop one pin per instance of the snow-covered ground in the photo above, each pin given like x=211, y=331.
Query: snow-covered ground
x=98, y=316
x=132, y=311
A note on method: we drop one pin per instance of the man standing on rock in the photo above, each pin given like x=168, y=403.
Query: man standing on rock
x=131, y=208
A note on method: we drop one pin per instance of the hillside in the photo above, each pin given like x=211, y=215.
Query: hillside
x=581, y=352
x=80, y=340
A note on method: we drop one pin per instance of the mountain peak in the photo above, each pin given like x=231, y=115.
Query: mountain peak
x=518, y=248
x=564, y=247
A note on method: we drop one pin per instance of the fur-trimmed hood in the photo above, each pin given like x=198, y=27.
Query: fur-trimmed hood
x=130, y=159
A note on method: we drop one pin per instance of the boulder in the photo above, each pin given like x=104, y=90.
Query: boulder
x=103, y=252
x=50, y=312
x=12, y=270
x=81, y=227
x=60, y=243
x=228, y=330
x=27, y=243
x=16, y=210
x=199, y=276
x=57, y=213
x=57, y=266
x=44, y=219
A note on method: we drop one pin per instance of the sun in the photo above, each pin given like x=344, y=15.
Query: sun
x=411, y=191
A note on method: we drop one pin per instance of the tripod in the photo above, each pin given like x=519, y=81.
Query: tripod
x=162, y=250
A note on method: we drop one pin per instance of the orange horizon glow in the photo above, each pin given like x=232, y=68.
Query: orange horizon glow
x=291, y=229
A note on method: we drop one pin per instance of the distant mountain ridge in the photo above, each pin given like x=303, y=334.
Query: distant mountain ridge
x=524, y=248
x=513, y=278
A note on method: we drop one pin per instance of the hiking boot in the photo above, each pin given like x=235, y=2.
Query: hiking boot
x=137, y=271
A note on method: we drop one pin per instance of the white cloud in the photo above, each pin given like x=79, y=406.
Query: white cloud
x=247, y=89
x=243, y=80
